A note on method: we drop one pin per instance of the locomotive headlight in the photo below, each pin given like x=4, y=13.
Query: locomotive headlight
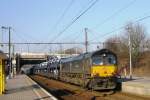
x=104, y=55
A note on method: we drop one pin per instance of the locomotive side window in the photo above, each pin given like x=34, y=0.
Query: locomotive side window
x=111, y=59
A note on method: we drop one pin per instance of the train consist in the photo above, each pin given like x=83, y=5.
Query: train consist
x=96, y=70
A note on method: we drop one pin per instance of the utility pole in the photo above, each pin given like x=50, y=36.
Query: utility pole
x=130, y=52
x=2, y=39
x=9, y=48
x=9, y=44
x=13, y=61
x=86, y=41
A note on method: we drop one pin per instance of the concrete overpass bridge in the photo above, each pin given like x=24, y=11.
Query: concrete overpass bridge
x=33, y=58
x=29, y=59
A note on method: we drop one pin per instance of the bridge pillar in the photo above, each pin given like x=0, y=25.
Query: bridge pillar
x=17, y=63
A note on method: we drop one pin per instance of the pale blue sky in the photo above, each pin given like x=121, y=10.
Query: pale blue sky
x=34, y=20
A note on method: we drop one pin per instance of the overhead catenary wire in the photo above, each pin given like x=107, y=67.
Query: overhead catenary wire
x=93, y=33
x=74, y=20
x=75, y=36
x=24, y=43
x=83, y=8
x=117, y=12
x=114, y=14
x=143, y=18
x=20, y=36
x=25, y=36
x=117, y=29
x=63, y=15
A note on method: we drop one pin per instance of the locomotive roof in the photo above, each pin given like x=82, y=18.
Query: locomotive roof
x=87, y=55
x=102, y=51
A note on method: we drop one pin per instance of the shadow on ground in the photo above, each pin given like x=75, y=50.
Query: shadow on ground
x=20, y=89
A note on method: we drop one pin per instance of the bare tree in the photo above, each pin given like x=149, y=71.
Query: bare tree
x=112, y=44
x=116, y=45
x=137, y=34
x=147, y=44
x=139, y=43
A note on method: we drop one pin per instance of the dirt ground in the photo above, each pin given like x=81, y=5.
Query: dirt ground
x=141, y=69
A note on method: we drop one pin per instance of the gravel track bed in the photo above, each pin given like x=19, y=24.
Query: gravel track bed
x=65, y=91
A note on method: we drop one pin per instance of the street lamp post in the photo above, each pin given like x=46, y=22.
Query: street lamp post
x=9, y=29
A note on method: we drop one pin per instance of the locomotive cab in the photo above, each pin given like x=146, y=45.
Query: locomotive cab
x=104, y=65
x=103, y=70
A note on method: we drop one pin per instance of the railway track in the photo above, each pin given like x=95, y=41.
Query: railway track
x=65, y=91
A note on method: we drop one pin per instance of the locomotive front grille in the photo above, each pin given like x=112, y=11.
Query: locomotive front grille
x=104, y=83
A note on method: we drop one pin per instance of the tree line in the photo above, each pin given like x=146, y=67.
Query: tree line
x=140, y=44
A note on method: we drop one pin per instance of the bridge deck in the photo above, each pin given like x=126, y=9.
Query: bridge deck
x=23, y=88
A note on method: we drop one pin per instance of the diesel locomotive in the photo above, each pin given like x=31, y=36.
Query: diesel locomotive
x=95, y=70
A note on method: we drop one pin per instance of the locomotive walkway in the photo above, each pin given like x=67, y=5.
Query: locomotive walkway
x=138, y=85
x=22, y=87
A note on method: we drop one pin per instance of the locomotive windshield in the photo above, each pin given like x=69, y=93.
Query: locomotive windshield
x=97, y=61
x=108, y=59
